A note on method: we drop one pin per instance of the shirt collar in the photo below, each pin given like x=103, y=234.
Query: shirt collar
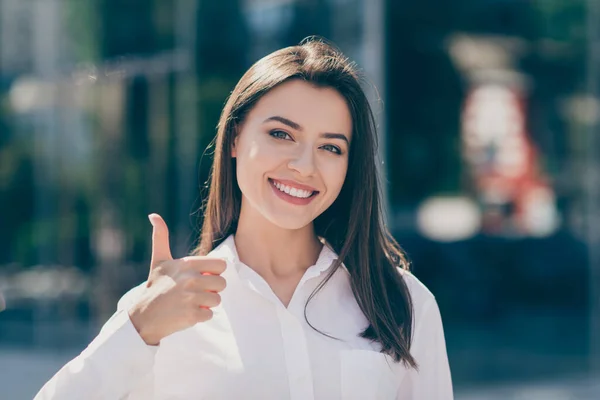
x=228, y=251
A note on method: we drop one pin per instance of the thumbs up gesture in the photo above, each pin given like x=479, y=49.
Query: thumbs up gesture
x=179, y=292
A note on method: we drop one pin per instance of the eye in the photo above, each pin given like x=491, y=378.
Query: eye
x=332, y=148
x=279, y=134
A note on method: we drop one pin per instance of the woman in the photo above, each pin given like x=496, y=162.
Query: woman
x=296, y=290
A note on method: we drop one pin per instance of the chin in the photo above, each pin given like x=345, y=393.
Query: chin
x=288, y=222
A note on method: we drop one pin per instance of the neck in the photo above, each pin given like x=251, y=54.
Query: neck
x=273, y=251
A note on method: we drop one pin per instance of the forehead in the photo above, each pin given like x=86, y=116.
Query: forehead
x=317, y=109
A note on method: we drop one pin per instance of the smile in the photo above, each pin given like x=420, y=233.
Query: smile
x=292, y=194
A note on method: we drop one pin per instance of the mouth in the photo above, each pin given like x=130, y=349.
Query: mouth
x=292, y=194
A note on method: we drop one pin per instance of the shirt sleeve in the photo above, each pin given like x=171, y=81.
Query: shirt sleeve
x=432, y=380
x=112, y=365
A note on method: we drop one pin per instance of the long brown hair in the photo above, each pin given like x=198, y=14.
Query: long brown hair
x=353, y=225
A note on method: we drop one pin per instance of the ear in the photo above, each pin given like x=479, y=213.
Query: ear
x=233, y=147
x=234, y=144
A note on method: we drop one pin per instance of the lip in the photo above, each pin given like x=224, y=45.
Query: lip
x=291, y=199
x=295, y=185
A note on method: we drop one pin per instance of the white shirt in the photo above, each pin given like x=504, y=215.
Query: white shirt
x=256, y=348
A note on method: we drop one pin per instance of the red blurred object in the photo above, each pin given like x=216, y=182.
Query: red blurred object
x=503, y=163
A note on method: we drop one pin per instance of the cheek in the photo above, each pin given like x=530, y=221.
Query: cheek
x=334, y=176
x=248, y=151
x=247, y=158
x=254, y=160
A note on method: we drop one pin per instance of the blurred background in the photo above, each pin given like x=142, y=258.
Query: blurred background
x=488, y=111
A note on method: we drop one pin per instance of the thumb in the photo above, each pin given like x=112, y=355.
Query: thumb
x=161, y=250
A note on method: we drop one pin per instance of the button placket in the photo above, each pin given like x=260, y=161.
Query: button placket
x=296, y=356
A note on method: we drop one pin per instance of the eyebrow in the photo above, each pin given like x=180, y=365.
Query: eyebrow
x=298, y=127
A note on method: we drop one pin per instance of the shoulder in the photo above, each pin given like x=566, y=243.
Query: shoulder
x=419, y=293
x=423, y=301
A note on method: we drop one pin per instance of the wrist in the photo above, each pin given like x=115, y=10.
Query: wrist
x=136, y=320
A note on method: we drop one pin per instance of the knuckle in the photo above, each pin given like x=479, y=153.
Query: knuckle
x=188, y=282
x=192, y=299
x=185, y=262
x=189, y=299
x=190, y=316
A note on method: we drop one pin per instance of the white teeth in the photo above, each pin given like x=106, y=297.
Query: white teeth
x=293, y=191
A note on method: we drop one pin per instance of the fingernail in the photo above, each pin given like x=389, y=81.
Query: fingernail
x=150, y=219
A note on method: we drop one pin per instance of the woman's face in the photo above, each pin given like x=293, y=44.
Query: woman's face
x=292, y=153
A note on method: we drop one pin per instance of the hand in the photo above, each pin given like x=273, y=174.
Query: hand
x=179, y=293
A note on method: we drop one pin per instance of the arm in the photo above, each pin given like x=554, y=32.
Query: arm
x=119, y=362
x=432, y=381
x=114, y=363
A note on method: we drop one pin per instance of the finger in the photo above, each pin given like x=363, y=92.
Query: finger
x=205, y=283
x=203, y=314
x=213, y=283
x=205, y=264
x=161, y=250
x=208, y=299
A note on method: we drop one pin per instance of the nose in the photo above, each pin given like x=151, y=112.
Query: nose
x=303, y=161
